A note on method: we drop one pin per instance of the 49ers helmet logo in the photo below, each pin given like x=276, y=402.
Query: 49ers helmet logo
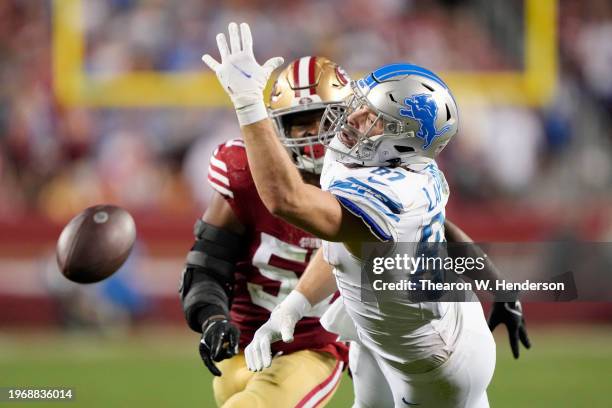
x=342, y=75
x=305, y=100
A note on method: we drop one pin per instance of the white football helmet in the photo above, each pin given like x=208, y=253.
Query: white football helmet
x=418, y=113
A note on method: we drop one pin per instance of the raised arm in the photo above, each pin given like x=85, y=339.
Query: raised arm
x=278, y=182
x=287, y=196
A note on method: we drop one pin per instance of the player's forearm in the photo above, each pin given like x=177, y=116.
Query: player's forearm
x=461, y=245
x=282, y=189
x=317, y=282
x=278, y=181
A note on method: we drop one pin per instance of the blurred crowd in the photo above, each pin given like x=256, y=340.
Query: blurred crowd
x=56, y=160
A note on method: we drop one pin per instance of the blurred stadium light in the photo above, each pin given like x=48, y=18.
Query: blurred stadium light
x=534, y=85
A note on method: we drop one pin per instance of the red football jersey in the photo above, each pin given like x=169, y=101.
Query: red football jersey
x=277, y=255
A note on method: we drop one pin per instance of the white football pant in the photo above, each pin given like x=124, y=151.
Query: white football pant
x=460, y=382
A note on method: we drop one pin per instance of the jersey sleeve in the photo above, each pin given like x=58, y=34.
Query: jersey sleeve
x=229, y=175
x=218, y=176
x=227, y=163
x=375, y=203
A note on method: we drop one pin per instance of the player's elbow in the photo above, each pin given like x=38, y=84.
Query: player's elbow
x=276, y=208
x=283, y=204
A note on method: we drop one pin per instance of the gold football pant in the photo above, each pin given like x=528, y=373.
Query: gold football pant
x=302, y=379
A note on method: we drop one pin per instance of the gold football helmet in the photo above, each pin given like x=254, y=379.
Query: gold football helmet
x=307, y=84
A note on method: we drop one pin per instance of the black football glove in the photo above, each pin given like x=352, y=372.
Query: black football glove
x=510, y=314
x=220, y=340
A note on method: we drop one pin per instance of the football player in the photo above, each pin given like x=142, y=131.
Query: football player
x=380, y=181
x=245, y=261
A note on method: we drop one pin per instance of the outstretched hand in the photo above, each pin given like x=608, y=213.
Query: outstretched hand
x=280, y=326
x=242, y=77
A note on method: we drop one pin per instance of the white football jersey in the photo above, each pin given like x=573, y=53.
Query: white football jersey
x=398, y=205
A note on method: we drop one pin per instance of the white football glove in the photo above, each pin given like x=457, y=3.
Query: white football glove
x=280, y=325
x=240, y=75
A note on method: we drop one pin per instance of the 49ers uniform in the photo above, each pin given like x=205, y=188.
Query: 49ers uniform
x=268, y=270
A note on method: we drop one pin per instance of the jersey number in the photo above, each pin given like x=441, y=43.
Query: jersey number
x=278, y=261
x=389, y=175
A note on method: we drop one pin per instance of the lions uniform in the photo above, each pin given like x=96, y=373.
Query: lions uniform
x=430, y=354
x=309, y=369
x=395, y=122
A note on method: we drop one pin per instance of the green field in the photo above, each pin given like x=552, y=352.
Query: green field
x=568, y=367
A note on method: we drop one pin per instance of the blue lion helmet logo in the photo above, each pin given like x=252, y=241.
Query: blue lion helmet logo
x=424, y=110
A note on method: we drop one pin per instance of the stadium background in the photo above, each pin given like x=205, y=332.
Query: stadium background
x=108, y=101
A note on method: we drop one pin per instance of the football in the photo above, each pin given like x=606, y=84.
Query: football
x=95, y=243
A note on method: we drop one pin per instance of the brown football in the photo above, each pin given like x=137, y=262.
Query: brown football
x=95, y=243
